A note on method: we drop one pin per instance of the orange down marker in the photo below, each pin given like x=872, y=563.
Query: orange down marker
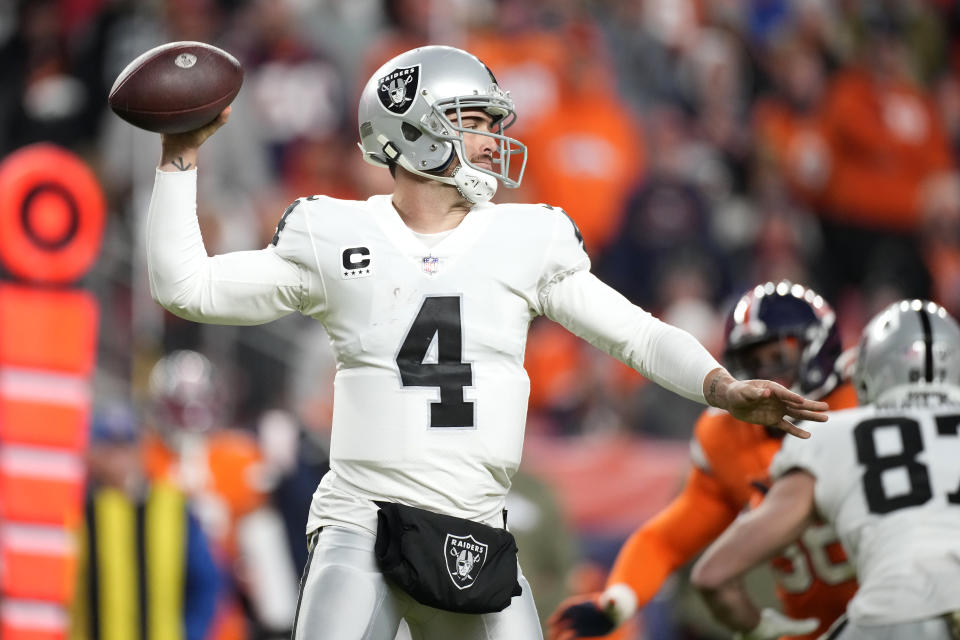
x=52, y=214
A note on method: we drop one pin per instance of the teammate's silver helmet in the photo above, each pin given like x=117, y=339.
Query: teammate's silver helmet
x=403, y=117
x=910, y=344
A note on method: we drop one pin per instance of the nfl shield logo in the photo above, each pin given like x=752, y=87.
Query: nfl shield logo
x=431, y=264
x=465, y=557
x=398, y=89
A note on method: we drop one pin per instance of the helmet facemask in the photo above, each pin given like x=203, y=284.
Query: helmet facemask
x=779, y=359
x=497, y=104
x=444, y=122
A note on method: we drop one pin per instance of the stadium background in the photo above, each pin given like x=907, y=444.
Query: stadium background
x=701, y=145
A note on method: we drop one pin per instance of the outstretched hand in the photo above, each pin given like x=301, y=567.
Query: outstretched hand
x=762, y=402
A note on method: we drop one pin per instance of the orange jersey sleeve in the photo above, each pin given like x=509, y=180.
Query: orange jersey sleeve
x=674, y=536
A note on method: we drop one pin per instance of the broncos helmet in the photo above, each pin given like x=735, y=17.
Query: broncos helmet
x=183, y=394
x=403, y=117
x=774, y=311
x=909, y=346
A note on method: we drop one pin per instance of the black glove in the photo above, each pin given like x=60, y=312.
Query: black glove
x=587, y=619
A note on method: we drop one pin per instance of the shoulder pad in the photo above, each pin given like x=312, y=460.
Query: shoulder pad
x=576, y=229
x=283, y=220
x=286, y=212
x=714, y=430
x=843, y=397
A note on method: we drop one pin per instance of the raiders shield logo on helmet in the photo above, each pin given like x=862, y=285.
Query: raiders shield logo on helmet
x=398, y=89
x=465, y=557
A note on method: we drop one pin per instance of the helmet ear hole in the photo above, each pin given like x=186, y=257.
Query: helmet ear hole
x=410, y=132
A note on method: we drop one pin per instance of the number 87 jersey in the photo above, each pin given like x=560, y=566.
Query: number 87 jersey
x=889, y=482
x=430, y=395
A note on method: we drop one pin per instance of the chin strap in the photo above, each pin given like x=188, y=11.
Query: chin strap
x=476, y=186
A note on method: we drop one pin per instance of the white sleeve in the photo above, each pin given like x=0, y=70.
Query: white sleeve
x=596, y=312
x=243, y=287
x=795, y=453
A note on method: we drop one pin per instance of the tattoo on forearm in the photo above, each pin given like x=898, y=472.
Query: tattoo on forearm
x=180, y=164
x=712, y=391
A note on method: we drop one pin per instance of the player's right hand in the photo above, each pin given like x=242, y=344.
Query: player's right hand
x=179, y=151
x=580, y=617
x=774, y=624
x=193, y=139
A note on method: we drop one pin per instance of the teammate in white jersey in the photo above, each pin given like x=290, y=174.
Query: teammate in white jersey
x=886, y=475
x=427, y=295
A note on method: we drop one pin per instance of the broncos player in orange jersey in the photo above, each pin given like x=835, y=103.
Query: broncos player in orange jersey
x=780, y=331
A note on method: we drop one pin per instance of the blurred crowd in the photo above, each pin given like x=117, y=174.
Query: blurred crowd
x=702, y=146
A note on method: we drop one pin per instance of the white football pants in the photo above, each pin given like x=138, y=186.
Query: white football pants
x=345, y=597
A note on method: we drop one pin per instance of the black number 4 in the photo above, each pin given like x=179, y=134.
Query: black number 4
x=439, y=317
x=920, y=491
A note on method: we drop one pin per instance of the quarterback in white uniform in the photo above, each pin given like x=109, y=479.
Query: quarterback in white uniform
x=886, y=475
x=427, y=295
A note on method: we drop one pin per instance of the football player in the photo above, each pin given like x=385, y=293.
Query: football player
x=427, y=295
x=220, y=468
x=886, y=475
x=781, y=331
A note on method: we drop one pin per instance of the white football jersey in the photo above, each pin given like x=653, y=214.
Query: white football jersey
x=889, y=482
x=430, y=394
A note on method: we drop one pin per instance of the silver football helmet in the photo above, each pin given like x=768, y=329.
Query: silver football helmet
x=184, y=395
x=911, y=346
x=405, y=117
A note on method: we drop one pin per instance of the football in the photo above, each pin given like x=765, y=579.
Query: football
x=176, y=87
